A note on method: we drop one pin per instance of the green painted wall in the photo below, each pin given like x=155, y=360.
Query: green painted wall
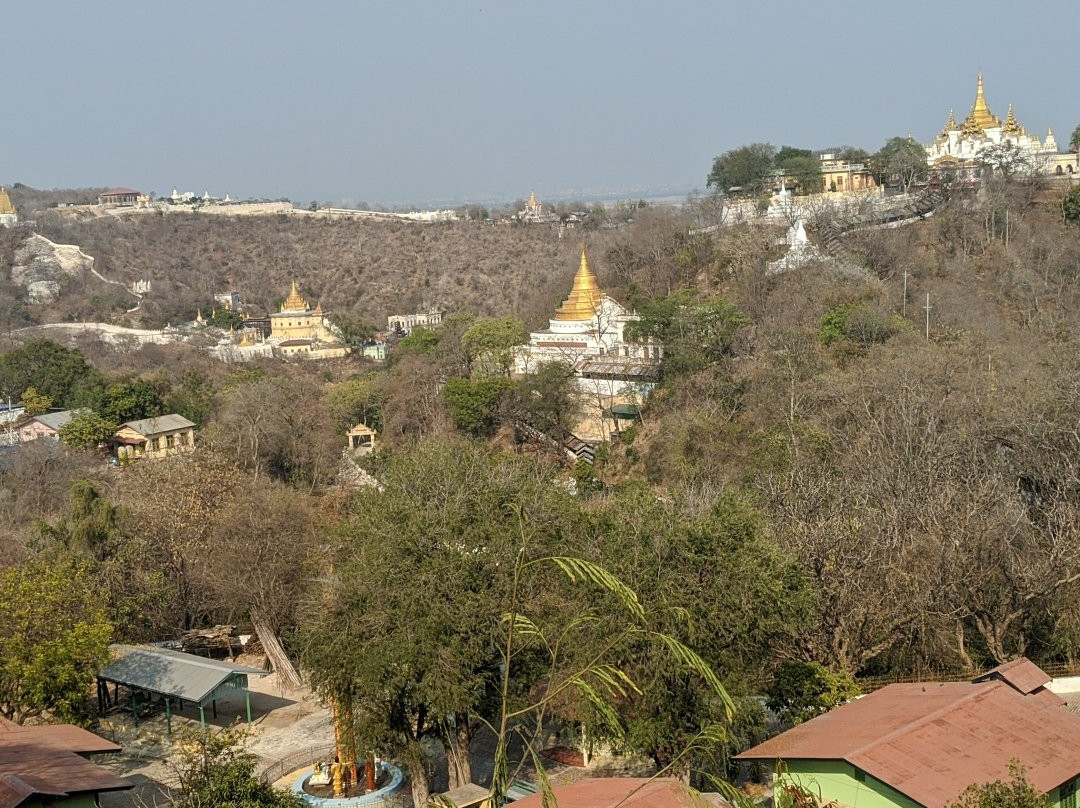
x=835, y=780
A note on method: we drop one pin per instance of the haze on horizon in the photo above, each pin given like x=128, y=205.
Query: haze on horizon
x=413, y=102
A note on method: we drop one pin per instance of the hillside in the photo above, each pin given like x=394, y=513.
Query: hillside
x=361, y=267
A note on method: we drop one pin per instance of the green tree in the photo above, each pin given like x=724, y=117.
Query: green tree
x=695, y=333
x=214, y=770
x=748, y=167
x=356, y=331
x=1074, y=140
x=801, y=690
x=54, y=637
x=474, y=404
x=546, y=399
x=193, y=396
x=417, y=341
x=126, y=401
x=490, y=341
x=1017, y=792
x=49, y=367
x=901, y=161
x=86, y=431
x=1070, y=205
x=787, y=152
x=34, y=402
x=358, y=400
x=225, y=319
x=805, y=170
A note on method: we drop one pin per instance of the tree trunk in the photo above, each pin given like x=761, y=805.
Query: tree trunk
x=418, y=781
x=459, y=738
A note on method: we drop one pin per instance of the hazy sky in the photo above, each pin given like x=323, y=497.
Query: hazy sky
x=400, y=101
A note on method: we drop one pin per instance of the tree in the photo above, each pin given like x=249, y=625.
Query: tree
x=474, y=404
x=1074, y=140
x=901, y=161
x=1070, y=205
x=546, y=399
x=54, y=637
x=35, y=403
x=806, y=171
x=356, y=331
x=126, y=401
x=1016, y=792
x=49, y=367
x=1006, y=160
x=490, y=341
x=225, y=319
x=748, y=167
x=86, y=431
x=801, y=690
x=214, y=770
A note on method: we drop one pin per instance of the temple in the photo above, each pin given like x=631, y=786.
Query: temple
x=959, y=144
x=299, y=331
x=587, y=333
x=8, y=217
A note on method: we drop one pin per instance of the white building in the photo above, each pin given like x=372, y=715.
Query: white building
x=405, y=323
x=588, y=333
x=961, y=144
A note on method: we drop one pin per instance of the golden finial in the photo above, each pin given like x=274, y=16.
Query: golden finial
x=5, y=202
x=583, y=301
x=950, y=125
x=1012, y=126
x=294, y=302
x=532, y=200
x=980, y=112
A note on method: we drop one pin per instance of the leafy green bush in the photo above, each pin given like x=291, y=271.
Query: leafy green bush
x=801, y=690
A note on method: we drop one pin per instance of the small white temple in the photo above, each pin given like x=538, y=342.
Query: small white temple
x=800, y=251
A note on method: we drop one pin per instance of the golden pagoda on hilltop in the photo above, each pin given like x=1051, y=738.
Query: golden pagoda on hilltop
x=297, y=330
x=583, y=302
x=8, y=217
x=958, y=146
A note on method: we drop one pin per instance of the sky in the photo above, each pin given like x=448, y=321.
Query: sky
x=442, y=102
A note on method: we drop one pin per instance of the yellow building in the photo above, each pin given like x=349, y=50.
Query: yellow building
x=303, y=332
x=844, y=175
x=154, y=438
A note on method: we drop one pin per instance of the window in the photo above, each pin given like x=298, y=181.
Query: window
x=169, y=440
x=1068, y=795
x=155, y=444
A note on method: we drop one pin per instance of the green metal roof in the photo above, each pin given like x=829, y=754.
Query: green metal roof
x=172, y=673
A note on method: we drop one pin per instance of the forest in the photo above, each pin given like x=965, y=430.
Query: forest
x=863, y=468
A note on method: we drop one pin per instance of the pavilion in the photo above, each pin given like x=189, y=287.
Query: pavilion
x=151, y=671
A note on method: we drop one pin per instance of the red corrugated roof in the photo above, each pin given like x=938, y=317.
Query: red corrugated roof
x=1022, y=673
x=626, y=792
x=930, y=741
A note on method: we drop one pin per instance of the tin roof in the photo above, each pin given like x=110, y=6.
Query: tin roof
x=55, y=420
x=46, y=761
x=625, y=792
x=159, y=424
x=932, y=740
x=1022, y=674
x=171, y=673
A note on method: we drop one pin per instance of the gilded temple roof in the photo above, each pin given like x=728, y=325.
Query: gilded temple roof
x=5, y=202
x=294, y=302
x=584, y=300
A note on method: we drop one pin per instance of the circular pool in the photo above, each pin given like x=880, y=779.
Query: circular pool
x=388, y=774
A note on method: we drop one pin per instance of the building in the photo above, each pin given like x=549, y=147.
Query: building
x=299, y=331
x=46, y=766
x=920, y=745
x=8, y=216
x=533, y=212
x=959, y=145
x=154, y=438
x=121, y=197
x=361, y=439
x=588, y=333
x=844, y=176
x=46, y=425
x=403, y=324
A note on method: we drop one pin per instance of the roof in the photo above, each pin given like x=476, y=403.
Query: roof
x=46, y=761
x=171, y=673
x=932, y=740
x=1022, y=674
x=155, y=426
x=55, y=420
x=626, y=792
x=119, y=192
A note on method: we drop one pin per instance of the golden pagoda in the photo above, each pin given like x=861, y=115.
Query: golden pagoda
x=532, y=203
x=1012, y=126
x=950, y=124
x=980, y=112
x=294, y=302
x=5, y=203
x=584, y=300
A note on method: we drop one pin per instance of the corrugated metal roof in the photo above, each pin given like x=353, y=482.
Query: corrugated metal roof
x=1022, y=673
x=63, y=736
x=55, y=420
x=171, y=673
x=930, y=741
x=155, y=426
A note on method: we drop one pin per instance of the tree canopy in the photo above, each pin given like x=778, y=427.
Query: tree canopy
x=901, y=161
x=748, y=167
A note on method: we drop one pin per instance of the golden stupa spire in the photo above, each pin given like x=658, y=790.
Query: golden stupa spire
x=5, y=202
x=532, y=203
x=294, y=302
x=980, y=112
x=1012, y=126
x=584, y=300
x=950, y=124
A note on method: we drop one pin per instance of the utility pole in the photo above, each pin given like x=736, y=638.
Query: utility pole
x=928, y=307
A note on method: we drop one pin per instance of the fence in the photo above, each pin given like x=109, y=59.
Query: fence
x=871, y=683
x=274, y=771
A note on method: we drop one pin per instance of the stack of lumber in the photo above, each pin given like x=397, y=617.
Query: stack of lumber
x=216, y=641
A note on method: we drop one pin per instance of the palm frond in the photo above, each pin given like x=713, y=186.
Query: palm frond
x=578, y=569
